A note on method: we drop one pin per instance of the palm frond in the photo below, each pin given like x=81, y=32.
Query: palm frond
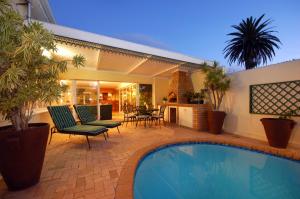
x=252, y=43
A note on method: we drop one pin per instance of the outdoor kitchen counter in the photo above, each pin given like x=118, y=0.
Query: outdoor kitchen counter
x=193, y=116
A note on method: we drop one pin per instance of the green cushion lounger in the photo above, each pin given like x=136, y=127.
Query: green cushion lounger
x=65, y=123
x=87, y=118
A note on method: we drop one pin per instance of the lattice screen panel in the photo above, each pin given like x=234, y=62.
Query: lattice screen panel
x=278, y=98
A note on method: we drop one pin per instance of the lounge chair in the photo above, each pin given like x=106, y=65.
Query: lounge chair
x=65, y=123
x=87, y=118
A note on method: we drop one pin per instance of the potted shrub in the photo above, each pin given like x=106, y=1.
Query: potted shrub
x=216, y=83
x=194, y=97
x=198, y=98
x=26, y=77
x=278, y=130
x=188, y=95
x=165, y=99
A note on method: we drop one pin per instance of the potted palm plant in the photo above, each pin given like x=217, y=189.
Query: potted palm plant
x=253, y=42
x=27, y=76
x=216, y=83
x=278, y=130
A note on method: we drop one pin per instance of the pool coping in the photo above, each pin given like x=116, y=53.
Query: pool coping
x=125, y=185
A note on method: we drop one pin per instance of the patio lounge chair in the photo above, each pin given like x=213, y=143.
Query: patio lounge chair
x=65, y=123
x=89, y=119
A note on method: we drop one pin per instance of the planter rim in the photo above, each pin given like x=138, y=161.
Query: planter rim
x=278, y=119
x=217, y=111
x=30, y=126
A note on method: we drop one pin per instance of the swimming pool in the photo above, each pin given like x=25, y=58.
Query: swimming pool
x=190, y=171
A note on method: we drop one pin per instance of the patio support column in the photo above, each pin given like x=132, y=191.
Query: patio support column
x=73, y=96
x=73, y=92
x=120, y=102
x=98, y=97
x=137, y=94
x=154, y=92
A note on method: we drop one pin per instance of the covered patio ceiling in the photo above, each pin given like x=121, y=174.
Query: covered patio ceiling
x=109, y=54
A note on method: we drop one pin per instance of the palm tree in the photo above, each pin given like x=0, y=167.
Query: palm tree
x=253, y=43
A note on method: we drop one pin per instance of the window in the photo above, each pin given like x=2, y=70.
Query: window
x=145, y=91
x=86, y=92
x=66, y=96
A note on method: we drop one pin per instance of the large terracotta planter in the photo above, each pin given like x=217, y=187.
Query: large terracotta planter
x=278, y=131
x=22, y=155
x=215, y=121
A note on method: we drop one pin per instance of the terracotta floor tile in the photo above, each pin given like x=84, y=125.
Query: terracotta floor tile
x=113, y=174
x=72, y=171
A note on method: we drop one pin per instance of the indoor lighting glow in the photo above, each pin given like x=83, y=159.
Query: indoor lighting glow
x=46, y=53
x=64, y=52
x=124, y=84
x=93, y=84
x=63, y=82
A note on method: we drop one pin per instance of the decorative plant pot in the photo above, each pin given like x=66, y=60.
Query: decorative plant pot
x=215, y=121
x=278, y=131
x=22, y=155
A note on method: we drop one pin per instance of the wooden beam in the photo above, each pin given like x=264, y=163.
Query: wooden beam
x=135, y=66
x=168, y=69
x=99, y=58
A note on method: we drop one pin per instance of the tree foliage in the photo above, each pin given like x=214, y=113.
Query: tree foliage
x=26, y=75
x=252, y=43
x=217, y=83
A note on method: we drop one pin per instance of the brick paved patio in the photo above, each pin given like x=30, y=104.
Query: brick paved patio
x=72, y=171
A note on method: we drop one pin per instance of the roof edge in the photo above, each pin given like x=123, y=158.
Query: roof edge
x=118, y=43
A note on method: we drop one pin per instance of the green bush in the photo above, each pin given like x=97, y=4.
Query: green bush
x=216, y=83
x=26, y=75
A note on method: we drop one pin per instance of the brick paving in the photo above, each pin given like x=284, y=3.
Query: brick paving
x=71, y=171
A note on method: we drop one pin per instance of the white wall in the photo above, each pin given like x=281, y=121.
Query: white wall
x=198, y=80
x=160, y=89
x=236, y=103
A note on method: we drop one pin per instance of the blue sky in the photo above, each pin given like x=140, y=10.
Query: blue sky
x=193, y=27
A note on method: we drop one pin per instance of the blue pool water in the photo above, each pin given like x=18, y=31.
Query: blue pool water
x=195, y=171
